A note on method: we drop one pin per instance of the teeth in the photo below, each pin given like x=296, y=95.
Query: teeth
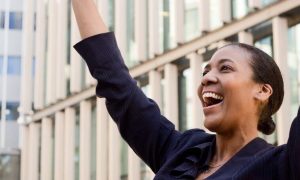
x=212, y=95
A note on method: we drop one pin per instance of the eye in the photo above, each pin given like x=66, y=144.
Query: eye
x=205, y=72
x=225, y=68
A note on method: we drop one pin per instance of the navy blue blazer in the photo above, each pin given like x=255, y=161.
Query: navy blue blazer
x=169, y=153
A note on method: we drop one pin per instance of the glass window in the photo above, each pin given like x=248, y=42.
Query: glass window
x=191, y=19
x=15, y=20
x=268, y=2
x=77, y=142
x=111, y=9
x=124, y=160
x=184, y=100
x=294, y=65
x=13, y=66
x=94, y=143
x=131, y=59
x=265, y=44
x=2, y=20
x=12, y=112
x=167, y=32
x=214, y=9
x=239, y=8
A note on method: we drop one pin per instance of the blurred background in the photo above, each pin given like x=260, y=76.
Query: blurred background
x=53, y=126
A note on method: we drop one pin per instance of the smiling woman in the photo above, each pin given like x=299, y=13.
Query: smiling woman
x=240, y=90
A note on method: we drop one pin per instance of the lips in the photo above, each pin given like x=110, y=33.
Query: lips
x=211, y=99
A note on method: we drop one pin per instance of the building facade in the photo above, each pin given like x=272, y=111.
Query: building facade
x=66, y=132
x=11, y=50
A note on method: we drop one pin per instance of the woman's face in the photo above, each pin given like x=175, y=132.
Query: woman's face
x=227, y=90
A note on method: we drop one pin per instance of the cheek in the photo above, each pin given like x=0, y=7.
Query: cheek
x=199, y=91
x=240, y=96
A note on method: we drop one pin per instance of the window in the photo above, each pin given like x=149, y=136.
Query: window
x=2, y=20
x=265, y=44
x=191, y=19
x=13, y=66
x=184, y=83
x=131, y=59
x=293, y=65
x=94, y=143
x=111, y=9
x=214, y=9
x=15, y=20
x=124, y=160
x=268, y=2
x=77, y=143
x=239, y=8
x=11, y=111
x=167, y=32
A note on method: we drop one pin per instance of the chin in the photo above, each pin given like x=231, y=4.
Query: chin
x=212, y=124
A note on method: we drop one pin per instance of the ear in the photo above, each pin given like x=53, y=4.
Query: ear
x=263, y=92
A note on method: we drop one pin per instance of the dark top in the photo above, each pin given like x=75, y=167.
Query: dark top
x=169, y=153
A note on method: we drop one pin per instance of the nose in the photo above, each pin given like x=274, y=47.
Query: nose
x=209, y=78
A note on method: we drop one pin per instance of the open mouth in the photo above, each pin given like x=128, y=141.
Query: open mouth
x=211, y=98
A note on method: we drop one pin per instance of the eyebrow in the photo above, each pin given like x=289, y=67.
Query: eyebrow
x=221, y=61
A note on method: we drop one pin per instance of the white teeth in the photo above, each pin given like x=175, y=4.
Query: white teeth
x=212, y=95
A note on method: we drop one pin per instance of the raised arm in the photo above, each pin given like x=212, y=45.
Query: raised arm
x=139, y=120
x=88, y=18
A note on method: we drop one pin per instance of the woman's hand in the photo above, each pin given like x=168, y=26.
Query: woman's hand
x=88, y=18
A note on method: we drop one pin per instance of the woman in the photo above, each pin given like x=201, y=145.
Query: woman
x=240, y=90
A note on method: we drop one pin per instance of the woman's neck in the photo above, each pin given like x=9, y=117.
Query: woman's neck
x=228, y=145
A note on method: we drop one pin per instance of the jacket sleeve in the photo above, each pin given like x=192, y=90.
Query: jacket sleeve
x=293, y=148
x=138, y=118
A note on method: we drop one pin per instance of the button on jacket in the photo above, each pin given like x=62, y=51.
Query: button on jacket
x=169, y=153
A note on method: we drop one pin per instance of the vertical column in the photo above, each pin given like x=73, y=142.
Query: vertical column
x=153, y=28
x=179, y=21
x=140, y=28
x=245, y=37
x=69, y=135
x=46, y=149
x=75, y=79
x=114, y=171
x=27, y=55
x=225, y=8
x=171, y=93
x=40, y=55
x=196, y=61
x=59, y=146
x=34, y=144
x=24, y=145
x=61, y=48
x=134, y=166
x=102, y=140
x=280, y=35
x=121, y=25
x=203, y=9
x=254, y=4
x=51, y=54
x=85, y=140
x=154, y=87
